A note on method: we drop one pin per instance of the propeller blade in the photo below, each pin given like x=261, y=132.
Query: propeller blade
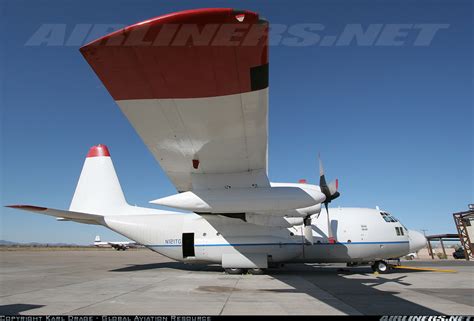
x=308, y=234
x=331, y=238
x=322, y=178
x=308, y=230
x=330, y=191
x=332, y=187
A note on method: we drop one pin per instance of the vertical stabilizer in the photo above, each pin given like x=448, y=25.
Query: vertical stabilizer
x=98, y=190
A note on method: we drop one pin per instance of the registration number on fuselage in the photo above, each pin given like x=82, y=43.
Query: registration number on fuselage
x=173, y=241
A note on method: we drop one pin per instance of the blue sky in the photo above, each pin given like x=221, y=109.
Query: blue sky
x=393, y=123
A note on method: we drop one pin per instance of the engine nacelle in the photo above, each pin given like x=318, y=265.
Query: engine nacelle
x=315, y=209
x=267, y=200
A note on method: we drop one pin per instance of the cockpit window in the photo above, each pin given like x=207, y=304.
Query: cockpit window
x=399, y=230
x=388, y=218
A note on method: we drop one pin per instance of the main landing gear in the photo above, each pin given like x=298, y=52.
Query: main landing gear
x=244, y=271
x=381, y=267
x=256, y=271
x=234, y=271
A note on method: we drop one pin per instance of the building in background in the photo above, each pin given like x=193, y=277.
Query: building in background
x=464, y=224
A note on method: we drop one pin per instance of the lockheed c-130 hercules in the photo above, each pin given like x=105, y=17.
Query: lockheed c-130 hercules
x=200, y=105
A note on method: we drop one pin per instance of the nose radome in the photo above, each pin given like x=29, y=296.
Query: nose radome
x=417, y=241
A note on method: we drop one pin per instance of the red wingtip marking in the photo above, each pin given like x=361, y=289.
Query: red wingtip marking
x=302, y=181
x=337, y=184
x=28, y=207
x=99, y=150
x=161, y=43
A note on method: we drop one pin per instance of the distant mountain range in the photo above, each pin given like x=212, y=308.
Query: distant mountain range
x=3, y=242
x=9, y=243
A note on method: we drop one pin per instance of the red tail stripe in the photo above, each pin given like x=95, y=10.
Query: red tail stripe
x=99, y=150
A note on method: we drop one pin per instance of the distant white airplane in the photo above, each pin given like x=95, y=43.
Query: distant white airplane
x=116, y=245
x=201, y=108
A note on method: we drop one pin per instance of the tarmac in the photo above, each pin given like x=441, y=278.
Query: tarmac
x=142, y=282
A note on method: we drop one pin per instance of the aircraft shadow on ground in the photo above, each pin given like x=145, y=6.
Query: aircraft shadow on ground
x=15, y=309
x=169, y=265
x=358, y=290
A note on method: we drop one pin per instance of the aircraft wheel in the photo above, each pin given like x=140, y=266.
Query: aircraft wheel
x=256, y=271
x=234, y=271
x=381, y=267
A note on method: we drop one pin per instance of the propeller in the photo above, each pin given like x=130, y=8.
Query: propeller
x=331, y=193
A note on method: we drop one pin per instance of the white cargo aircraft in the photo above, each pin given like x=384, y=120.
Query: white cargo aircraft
x=118, y=245
x=194, y=85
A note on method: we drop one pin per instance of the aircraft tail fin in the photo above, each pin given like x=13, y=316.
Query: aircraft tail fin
x=98, y=190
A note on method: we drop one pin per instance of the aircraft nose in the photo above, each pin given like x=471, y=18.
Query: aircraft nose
x=417, y=241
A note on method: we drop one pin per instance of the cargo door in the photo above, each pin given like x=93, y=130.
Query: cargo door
x=188, y=245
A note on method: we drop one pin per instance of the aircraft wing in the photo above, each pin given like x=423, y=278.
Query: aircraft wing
x=194, y=85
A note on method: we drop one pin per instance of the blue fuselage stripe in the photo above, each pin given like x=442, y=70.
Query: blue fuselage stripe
x=279, y=244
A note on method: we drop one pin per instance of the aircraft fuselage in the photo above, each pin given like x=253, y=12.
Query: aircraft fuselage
x=361, y=235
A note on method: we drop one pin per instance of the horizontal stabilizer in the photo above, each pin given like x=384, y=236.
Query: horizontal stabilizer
x=67, y=215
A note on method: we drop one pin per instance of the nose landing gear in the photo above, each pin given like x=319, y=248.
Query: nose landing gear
x=381, y=267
